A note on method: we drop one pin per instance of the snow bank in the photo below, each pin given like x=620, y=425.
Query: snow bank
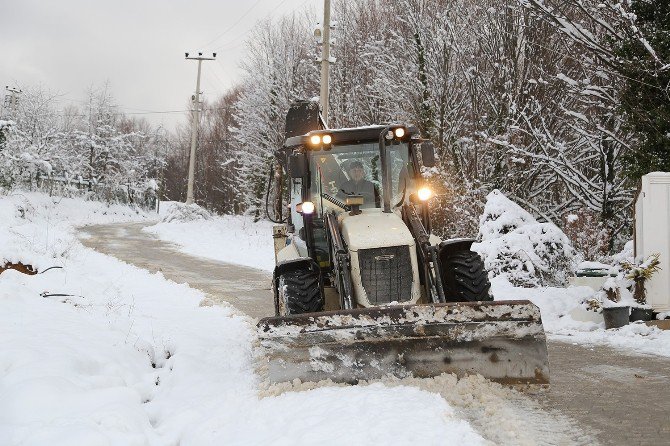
x=564, y=317
x=513, y=242
x=101, y=352
x=523, y=255
x=23, y=212
x=228, y=238
x=172, y=211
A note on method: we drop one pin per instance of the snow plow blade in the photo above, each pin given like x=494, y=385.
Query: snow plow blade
x=503, y=341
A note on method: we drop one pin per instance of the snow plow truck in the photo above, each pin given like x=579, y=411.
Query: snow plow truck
x=363, y=289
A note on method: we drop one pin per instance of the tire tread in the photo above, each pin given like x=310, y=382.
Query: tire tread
x=465, y=278
x=300, y=291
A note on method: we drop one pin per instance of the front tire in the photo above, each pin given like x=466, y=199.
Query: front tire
x=299, y=292
x=465, y=278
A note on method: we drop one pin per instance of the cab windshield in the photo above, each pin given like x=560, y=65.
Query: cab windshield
x=356, y=170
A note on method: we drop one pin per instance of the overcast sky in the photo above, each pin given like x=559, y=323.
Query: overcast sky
x=136, y=45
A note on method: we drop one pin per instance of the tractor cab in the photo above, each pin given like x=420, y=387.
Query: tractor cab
x=353, y=173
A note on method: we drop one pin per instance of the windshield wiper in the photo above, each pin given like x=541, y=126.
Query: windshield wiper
x=402, y=199
x=335, y=201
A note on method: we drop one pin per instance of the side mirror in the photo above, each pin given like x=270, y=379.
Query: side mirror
x=297, y=165
x=428, y=154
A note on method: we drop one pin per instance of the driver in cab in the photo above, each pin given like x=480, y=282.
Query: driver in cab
x=358, y=185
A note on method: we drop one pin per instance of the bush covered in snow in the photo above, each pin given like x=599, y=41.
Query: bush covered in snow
x=180, y=212
x=626, y=255
x=512, y=241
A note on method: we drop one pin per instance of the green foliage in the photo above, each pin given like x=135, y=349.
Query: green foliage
x=644, y=270
x=640, y=273
x=646, y=95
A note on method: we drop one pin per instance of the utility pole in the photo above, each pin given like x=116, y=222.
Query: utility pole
x=196, y=122
x=324, y=34
x=11, y=101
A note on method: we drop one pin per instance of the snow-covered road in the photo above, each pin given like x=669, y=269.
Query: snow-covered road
x=247, y=289
x=590, y=386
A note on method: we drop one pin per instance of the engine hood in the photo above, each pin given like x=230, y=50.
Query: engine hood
x=374, y=229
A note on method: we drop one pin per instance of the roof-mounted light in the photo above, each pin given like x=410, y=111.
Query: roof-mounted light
x=320, y=140
x=399, y=132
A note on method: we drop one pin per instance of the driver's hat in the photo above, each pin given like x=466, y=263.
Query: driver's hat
x=355, y=164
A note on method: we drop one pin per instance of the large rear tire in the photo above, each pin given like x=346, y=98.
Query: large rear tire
x=465, y=278
x=299, y=292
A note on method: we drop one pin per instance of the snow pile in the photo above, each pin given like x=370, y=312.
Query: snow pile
x=228, y=238
x=101, y=352
x=503, y=415
x=512, y=242
x=563, y=311
x=626, y=255
x=56, y=217
x=182, y=213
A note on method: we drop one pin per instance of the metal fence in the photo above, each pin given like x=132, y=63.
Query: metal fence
x=77, y=186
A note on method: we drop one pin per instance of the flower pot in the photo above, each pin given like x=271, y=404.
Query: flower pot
x=641, y=314
x=616, y=317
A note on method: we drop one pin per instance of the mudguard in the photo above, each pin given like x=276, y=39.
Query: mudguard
x=448, y=247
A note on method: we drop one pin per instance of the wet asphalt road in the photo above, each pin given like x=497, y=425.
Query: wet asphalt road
x=247, y=289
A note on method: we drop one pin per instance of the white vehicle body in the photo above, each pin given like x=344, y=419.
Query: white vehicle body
x=368, y=230
x=375, y=229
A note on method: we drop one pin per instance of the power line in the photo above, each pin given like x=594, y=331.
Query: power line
x=239, y=36
x=218, y=79
x=156, y=112
x=61, y=97
x=233, y=25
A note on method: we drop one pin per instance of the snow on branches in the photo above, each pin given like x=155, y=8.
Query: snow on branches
x=44, y=145
x=512, y=242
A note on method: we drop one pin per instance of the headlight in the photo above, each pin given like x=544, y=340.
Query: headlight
x=315, y=140
x=399, y=132
x=327, y=139
x=306, y=207
x=424, y=193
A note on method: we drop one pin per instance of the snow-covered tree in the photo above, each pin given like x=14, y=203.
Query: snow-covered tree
x=279, y=69
x=514, y=243
x=46, y=145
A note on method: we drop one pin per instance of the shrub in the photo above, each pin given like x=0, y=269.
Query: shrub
x=513, y=242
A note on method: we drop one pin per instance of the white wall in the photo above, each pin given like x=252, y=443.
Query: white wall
x=652, y=234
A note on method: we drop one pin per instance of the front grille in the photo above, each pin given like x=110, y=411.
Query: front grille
x=386, y=274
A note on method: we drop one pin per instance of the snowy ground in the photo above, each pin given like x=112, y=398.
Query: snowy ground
x=103, y=353
x=228, y=238
x=562, y=307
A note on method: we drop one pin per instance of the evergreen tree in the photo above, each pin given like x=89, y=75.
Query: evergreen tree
x=646, y=95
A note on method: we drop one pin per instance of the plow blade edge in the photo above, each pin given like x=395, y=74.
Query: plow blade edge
x=503, y=341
